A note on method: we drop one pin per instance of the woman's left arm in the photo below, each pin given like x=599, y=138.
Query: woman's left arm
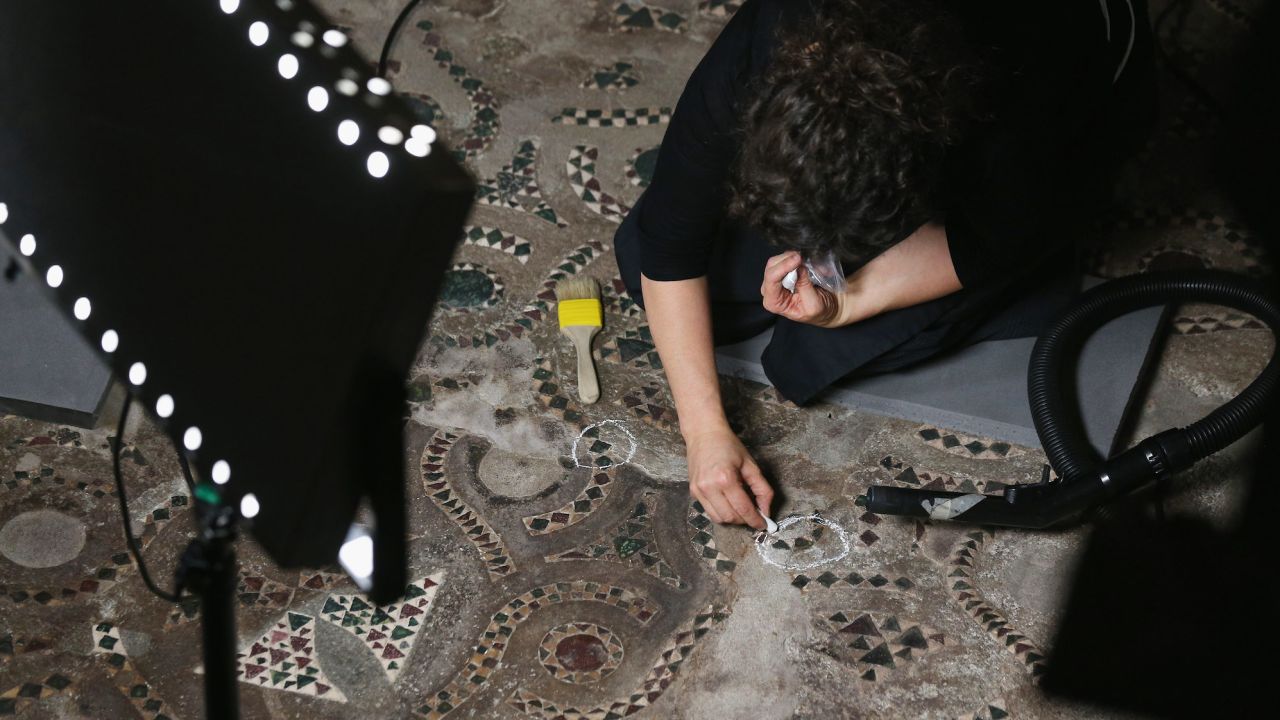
x=916, y=270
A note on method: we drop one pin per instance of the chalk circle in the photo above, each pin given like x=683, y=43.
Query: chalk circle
x=615, y=443
x=808, y=557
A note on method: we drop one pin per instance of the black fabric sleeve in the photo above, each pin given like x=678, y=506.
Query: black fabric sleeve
x=686, y=200
x=1037, y=169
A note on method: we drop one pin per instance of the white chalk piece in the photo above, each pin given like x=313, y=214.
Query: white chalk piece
x=789, y=282
x=770, y=527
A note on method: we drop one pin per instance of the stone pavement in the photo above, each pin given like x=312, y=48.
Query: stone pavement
x=559, y=568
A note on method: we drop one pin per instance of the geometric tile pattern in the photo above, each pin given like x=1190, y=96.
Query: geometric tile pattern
x=979, y=448
x=632, y=347
x=425, y=110
x=106, y=642
x=643, y=401
x=1215, y=322
x=582, y=178
x=110, y=572
x=469, y=286
x=719, y=8
x=264, y=592
x=61, y=437
x=484, y=107
x=906, y=475
x=513, y=245
x=651, y=688
x=284, y=658
x=632, y=543
x=319, y=581
x=961, y=581
x=592, y=496
x=617, y=301
x=634, y=15
x=487, y=655
x=492, y=549
x=828, y=580
x=18, y=698
x=617, y=76
x=537, y=309
x=580, y=652
x=576, y=510
x=1248, y=248
x=640, y=166
x=550, y=395
x=992, y=710
x=45, y=475
x=389, y=631
x=883, y=643
x=702, y=537
x=516, y=185
x=597, y=118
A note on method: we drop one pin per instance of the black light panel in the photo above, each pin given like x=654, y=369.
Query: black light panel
x=249, y=225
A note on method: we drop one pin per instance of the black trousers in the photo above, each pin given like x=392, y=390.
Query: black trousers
x=802, y=360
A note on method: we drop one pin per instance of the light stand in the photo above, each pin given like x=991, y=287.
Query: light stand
x=253, y=229
x=208, y=568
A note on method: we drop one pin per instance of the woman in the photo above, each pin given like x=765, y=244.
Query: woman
x=943, y=150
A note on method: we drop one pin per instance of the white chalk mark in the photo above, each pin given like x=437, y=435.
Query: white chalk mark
x=631, y=452
x=792, y=566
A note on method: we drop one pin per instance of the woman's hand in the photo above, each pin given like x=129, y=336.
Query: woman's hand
x=809, y=303
x=721, y=472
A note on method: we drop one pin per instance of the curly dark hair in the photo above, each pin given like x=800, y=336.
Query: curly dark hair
x=843, y=142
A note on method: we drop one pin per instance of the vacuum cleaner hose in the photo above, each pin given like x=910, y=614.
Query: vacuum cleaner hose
x=1086, y=479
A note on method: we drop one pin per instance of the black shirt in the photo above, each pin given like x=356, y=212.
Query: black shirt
x=1010, y=188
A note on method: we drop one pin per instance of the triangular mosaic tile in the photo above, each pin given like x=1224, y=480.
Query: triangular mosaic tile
x=284, y=658
x=389, y=631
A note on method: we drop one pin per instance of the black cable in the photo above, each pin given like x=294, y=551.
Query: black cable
x=391, y=36
x=124, y=508
x=186, y=473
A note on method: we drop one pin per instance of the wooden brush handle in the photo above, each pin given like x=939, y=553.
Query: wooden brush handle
x=588, y=383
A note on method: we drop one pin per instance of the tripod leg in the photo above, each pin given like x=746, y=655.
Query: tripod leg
x=218, y=621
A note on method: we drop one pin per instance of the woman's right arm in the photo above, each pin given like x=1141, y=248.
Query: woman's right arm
x=721, y=470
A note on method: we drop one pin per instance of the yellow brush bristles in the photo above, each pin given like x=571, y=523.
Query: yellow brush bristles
x=579, y=303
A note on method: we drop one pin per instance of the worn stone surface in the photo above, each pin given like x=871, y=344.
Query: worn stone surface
x=573, y=576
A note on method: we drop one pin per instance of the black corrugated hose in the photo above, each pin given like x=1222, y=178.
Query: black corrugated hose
x=1051, y=391
x=1087, y=481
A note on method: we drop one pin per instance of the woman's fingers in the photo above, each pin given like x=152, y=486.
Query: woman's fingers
x=777, y=268
x=776, y=299
x=702, y=500
x=723, y=510
x=741, y=503
x=760, y=488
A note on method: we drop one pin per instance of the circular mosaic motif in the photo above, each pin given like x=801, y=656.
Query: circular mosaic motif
x=580, y=652
x=1171, y=258
x=640, y=166
x=42, y=539
x=468, y=286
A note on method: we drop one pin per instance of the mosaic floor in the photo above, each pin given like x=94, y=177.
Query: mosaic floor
x=559, y=568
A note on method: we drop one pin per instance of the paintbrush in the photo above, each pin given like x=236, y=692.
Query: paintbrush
x=581, y=316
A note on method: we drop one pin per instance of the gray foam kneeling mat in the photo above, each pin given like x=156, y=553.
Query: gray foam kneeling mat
x=48, y=372
x=982, y=389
